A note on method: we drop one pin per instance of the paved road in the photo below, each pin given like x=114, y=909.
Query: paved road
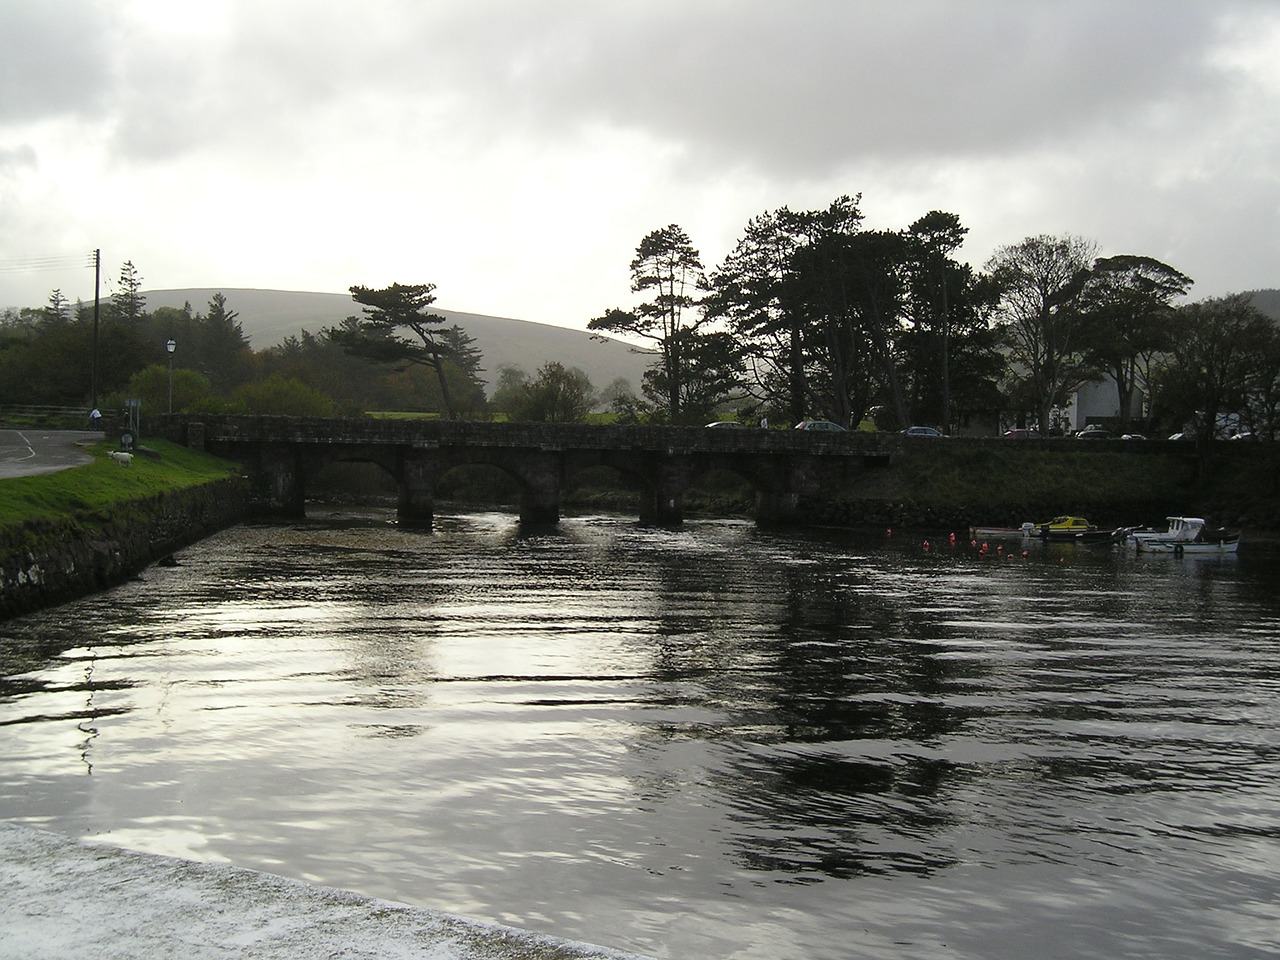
x=32, y=450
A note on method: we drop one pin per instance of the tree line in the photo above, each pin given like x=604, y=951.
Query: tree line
x=810, y=315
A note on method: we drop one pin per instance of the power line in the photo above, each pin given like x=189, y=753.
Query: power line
x=34, y=264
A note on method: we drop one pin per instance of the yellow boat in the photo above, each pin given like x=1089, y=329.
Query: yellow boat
x=1063, y=528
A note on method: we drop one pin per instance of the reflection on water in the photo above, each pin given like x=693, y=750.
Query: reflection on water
x=709, y=742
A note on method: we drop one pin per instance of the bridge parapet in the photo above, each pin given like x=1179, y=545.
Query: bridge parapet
x=281, y=452
x=534, y=436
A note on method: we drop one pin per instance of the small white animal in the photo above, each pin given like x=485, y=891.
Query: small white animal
x=122, y=458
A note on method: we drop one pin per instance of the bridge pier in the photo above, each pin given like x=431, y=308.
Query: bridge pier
x=662, y=504
x=540, y=488
x=776, y=508
x=539, y=506
x=280, y=489
x=415, y=481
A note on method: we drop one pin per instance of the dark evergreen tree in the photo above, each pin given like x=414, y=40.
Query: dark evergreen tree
x=128, y=304
x=750, y=290
x=669, y=270
x=399, y=306
x=463, y=353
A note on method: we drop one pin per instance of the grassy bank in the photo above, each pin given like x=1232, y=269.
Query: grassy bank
x=80, y=493
x=1240, y=484
x=953, y=475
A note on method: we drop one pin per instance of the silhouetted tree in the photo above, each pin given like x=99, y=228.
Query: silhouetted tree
x=750, y=290
x=127, y=303
x=388, y=310
x=1041, y=280
x=1212, y=366
x=558, y=394
x=668, y=268
x=1128, y=307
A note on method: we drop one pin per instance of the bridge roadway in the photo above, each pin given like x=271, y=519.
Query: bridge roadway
x=281, y=453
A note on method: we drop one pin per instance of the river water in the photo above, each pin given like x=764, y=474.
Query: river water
x=711, y=742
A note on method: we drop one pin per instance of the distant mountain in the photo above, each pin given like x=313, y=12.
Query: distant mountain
x=268, y=317
x=1267, y=301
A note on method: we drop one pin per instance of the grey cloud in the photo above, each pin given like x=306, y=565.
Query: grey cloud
x=54, y=59
x=800, y=88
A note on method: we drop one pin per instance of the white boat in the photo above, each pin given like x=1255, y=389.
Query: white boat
x=1002, y=533
x=1185, y=535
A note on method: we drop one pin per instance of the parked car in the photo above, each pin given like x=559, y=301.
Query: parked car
x=922, y=432
x=1132, y=436
x=818, y=425
x=727, y=424
x=1020, y=433
x=1095, y=433
x=1182, y=435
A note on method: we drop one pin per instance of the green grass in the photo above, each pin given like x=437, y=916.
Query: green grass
x=957, y=475
x=99, y=486
x=977, y=476
x=401, y=415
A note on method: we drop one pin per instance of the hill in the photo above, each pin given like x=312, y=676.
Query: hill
x=1268, y=301
x=268, y=317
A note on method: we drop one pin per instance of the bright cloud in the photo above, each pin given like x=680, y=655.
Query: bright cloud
x=515, y=153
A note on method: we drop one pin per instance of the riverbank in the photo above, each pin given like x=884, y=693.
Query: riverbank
x=81, y=530
x=952, y=486
x=61, y=899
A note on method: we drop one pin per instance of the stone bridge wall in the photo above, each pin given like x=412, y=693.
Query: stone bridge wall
x=472, y=433
x=792, y=471
x=282, y=452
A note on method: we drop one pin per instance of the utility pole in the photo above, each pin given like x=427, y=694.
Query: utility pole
x=97, y=279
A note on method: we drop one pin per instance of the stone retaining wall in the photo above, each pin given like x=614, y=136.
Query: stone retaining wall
x=908, y=515
x=44, y=562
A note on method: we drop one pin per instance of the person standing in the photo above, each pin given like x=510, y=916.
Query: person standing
x=95, y=419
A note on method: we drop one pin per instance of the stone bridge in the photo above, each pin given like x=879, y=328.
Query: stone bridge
x=282, y=452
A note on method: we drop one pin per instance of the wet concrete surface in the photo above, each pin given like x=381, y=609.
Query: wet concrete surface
x=28, y=451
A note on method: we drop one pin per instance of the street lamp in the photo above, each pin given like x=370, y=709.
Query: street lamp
x=171, y=345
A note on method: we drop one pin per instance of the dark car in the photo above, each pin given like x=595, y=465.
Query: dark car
x=1096, y=433
x=922, y=432
x=818, y=425
x=727, y=424
x=1020, y=433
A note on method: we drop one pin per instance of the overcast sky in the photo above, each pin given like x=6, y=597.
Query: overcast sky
x=515, y=152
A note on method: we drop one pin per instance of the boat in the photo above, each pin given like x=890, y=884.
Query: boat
x=1002, y=533
x=1185, y=535
x=1095, y=536
x=1064, y=528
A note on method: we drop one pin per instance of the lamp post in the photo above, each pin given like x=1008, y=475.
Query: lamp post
x=171, y=345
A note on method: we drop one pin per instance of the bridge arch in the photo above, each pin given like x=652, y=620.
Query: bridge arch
x=281, y=452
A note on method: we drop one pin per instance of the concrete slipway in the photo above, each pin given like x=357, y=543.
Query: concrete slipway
x=62, y=899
